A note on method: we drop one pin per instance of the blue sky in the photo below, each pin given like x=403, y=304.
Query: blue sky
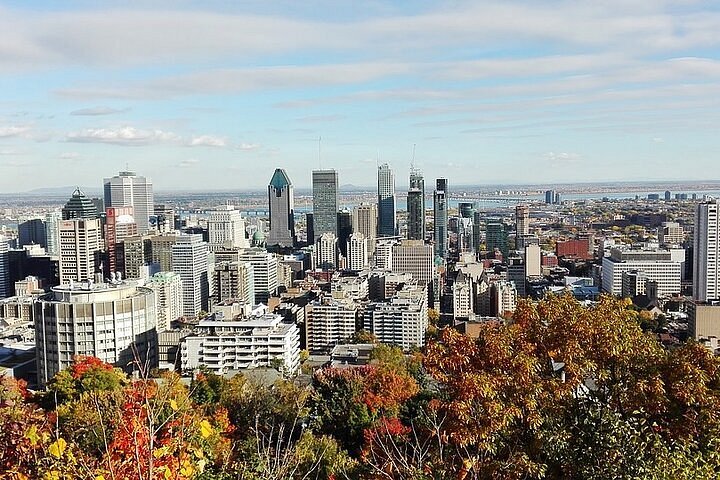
x=217, y=94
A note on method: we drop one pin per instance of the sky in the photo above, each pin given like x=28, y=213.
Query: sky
x=213, y=95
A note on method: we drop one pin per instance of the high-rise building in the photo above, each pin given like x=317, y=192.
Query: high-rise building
x=309, y=228
x=386, y=223
x=119, y=225
x=522, y=221
x=706, y=252
x=282, y=210
x=164, y=218
x=661, y=266
x=325, y=203
x=671, y=233
x=5, y=284
x=233, y=281
x=416, y=206
x=32, y=232
x=364, y=221
x=344, y=229
x=440, y=217
x=127, y=189
x=414, y=257
x=326, y=252
x=169, y=294
x=52, y=233
x=79, y=206
x=80, y=249
x=137, y=256
x=190, y=261
x=161, y=250
x=357, y=248
x=265, y=272
x=550, y=196
x=496, y=237
x=329, y=321
x=115, y=323
x=403, y=320
x=226, y=229
x=532, y=261
x=467, y=209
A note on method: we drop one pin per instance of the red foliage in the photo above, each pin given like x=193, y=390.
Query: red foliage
x=82, y=364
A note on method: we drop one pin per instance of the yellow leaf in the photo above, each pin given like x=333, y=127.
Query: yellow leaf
x=100, y=477
x=187, y=471
x=58, y=447
x=32, y=435
x=205, y=429
x=173, y=405
x=198, y=452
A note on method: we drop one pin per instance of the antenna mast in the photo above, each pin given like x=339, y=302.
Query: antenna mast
x=412, y=161
x=320, y=151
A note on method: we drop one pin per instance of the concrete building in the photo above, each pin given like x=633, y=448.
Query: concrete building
x=226, y=229
x=114, y=322
x=522, y=222
x=169, y=296
x=403, y=320
x=634, y=283
x=137, y=257
x=416, y=206
x=119, y=225
x=662, y=266
x=706, y=252
x=532, y=261
x=386, y=220
x=416, y=258
x=164, y=218
x=281, y=201
x=440, y=217
x=265, y=272
x=326, y=256
x=80, y=249
x=365, y=221
x=233, y=281
x=463, y=296
x=161, y=250
x=52, y=233
x=357, y=252
x=325, y=203
x=503, y=298
x=127, y=189
x=383, y=253
x=225, y=346
x=704, y=319
x=190, y=262
x=671, y=233
x=329, y=321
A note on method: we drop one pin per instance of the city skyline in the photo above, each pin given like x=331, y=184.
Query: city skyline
x=620, y=92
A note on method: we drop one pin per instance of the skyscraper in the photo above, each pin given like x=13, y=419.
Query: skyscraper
x=127, y=189
x=119, y=225
x=4, y=268
x=282, y=210
x=32, y=231
x=357, y=248
x=440, y=217
x=326, y=252
x=190, y=261
x=325, y=202
x=364, y=221
x=79, y=206
x=345, y=229
x=80, y=248
x=522, y=220
x=416, y=206
x=706, y=252
x=226, y=229
x=386, y=201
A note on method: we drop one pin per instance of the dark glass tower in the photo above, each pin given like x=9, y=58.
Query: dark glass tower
x=79, y=206
x=282, y=210
x=416, y=206
x=440, y=217
x=386, y=201
x=325, y=202
x=344, y=222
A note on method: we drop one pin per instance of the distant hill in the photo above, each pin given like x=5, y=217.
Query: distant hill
x=63, y=191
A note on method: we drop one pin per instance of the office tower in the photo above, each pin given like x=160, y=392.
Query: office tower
x=414, y=257
x=416, y=206
x=550, y=196
x=364, y=220
x=671, y=233
x=164, y=218
x=325, y=203
x=329, y=321
x=440, y=217
x=265, y=272
x=496, y=237
x=668, y=195
x=226, y=229
x=52, y=233
x=226, y=344
x=532, y=261
x=161, y=250
x=476, y=232
x=309, y=228
x=522, y=221
x=233, y=281
x=169, y=295
x=137, y=257
x=32, y=232
x=706, y=252
x=281, y=201
x=503, y=298
x=5, y=286
x=383, y=253
x=80, y=249
x=115, y=323
x=190, y=261
x=357, y=248
x=466, y=209
x=79, y=206
x=345, y=229
x=127, y=189
x=326, y=252
x=119, y=225
x=659, y=265
x=386, y=202
x=403, y=320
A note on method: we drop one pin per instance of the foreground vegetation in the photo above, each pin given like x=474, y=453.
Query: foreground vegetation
x=563, y=392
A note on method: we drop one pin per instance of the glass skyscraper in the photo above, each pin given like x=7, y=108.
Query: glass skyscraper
x=325, y=202
x=386, y=201
x=440, y=217
x=416, y=206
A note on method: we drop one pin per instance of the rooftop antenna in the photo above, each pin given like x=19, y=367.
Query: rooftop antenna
x=412, y=161
x=320, y=151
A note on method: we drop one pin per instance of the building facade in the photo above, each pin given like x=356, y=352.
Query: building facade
x=80, y=249
x=386, y=223
x=190, y=262
x=416, y=206
x=325, y=202
x=169, y=296
x=281, y=201
x=226, y=229
x=127, y=189
x=706, y=252
x=440, y=217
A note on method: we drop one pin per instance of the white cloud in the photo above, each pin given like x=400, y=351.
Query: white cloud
x=207, y=141
x=13, y=131
x=558, y=159
x=122, y=136
x=8, y=152
x=249, y=146
x=69, y=155
x=190, y=162
x=95, y=111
